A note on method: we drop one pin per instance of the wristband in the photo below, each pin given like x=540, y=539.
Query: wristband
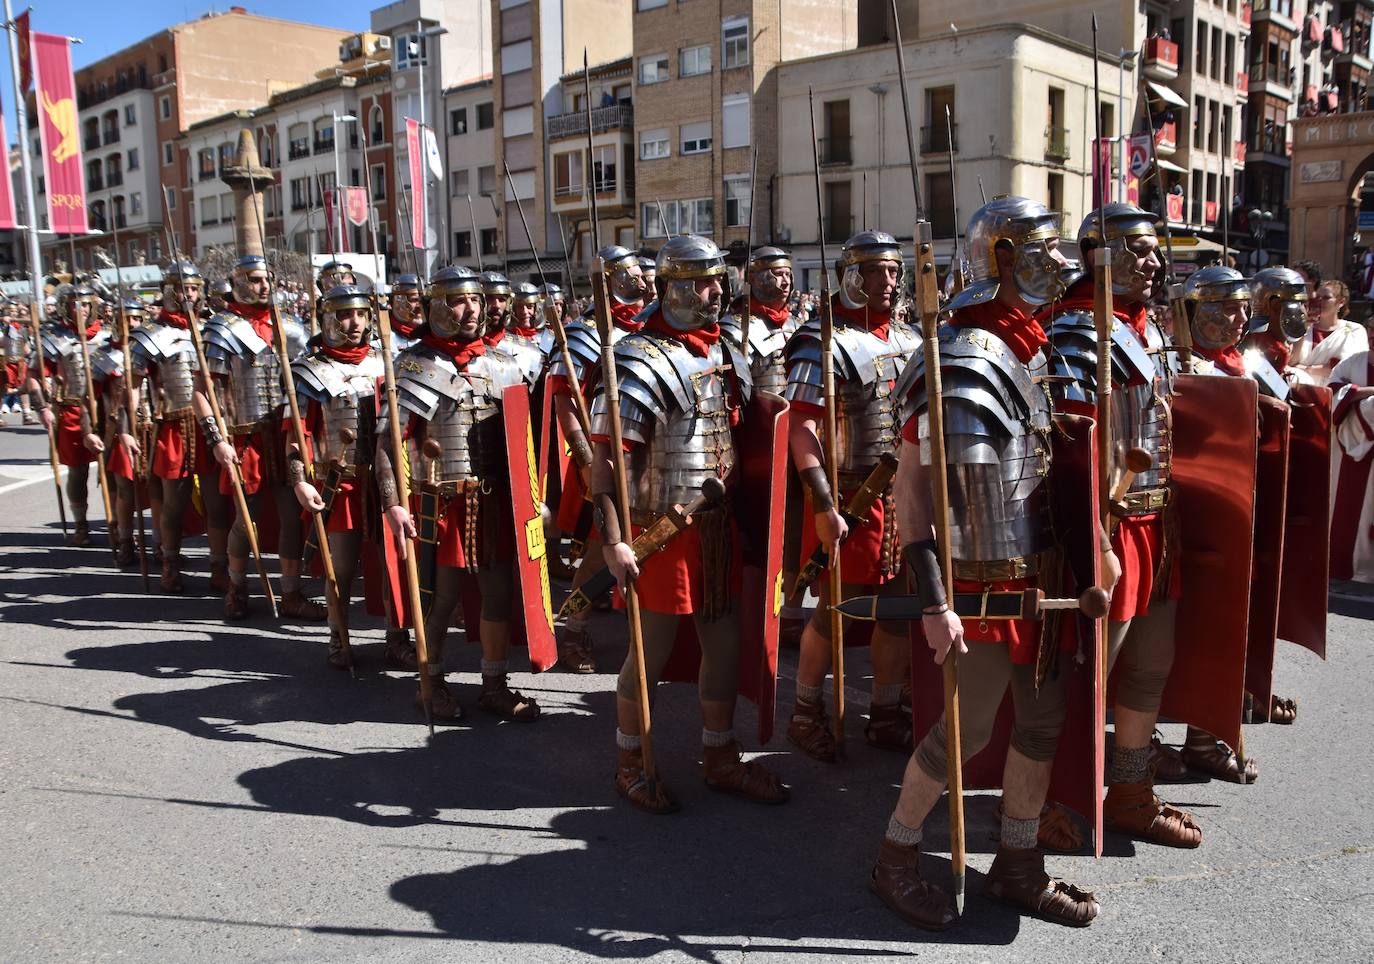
x=819, y=486
x=210, y=427
x=581, y=452
x=925, y=566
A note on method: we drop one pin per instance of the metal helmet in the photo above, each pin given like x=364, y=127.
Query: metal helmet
x=648, y=268
x=682, y=262
x=624, y=276
x=552, y=293
x=1289, y=288
x=453, y=280
x=863, y=248
x=1212, y=295
x=72, y=294
x=336, y=299
x=135, y=310
x=552, y=300
x=333, y=274
x=525, y=293
x=763, y=284
x=184, y=280
x=248, y=264
x=1123, y=221
x=222, y=289
x=1027, y=227
x=407, y=282
x=495, y=283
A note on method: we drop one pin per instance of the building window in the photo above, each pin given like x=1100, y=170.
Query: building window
x=654, y=144
x=734, y=121
x=603, y=167
x=135, y=203
x=567, y=174
x=458, y=121
x=209, y=211
x=300, y=193
x=462, y=244
x=489, y=243
x=694, y=60
x=940, y=204
x=653, y=69
x=324, y=135
x=486, y=179
x=410, y=51
x=133, y=159
x=130, y=115
x=458, y=181
x=737, y=201
x=164, y=107
x=938, y=100
x=650, y=4
x=517, y=122
x=696, y=138
x=171, y=200
x=485, y=116
x=378, y=182
x=205, y=164
x=684, y=217
x=297, y=142
x=734, y=43
x=226, y=156
x=517, y=57
x=377, y=124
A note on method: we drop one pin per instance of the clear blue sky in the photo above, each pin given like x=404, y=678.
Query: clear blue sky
x=106, y=27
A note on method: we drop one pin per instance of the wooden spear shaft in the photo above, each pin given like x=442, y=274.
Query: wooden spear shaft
x=45, y=397
x=102, y=477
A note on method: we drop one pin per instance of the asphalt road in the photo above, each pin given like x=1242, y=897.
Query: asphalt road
x=178, y=790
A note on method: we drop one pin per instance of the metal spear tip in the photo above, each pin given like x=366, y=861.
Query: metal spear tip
x=713, y=489
x=959, y=895
x=1094, y=603
x=1138, y=460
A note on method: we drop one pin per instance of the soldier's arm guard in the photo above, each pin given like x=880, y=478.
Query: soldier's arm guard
x=386, y=477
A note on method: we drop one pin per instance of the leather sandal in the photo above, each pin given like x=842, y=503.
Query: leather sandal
x=1135, y=810
x=81, y=535
x=1058, y=832
x=725, y=772
x=125, y=557
x=889, y=728
x=896, y=879
x=1018, y=878
x=443, y=704
x=399, y=651
x=339, y=657
x=1283, y=709
x=171, y=582
x=297, y=606
x=631, y=784
x=1166, y=762
x=1211, y=756
x=575, y=651
x=236, y=602
x=809, y=731
x=500, y=700
x=219, y=577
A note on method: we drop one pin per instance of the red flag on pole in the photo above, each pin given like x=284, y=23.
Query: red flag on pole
x=21, y=24
x=355, y=206
x=8, y=222
x=419, y=216
x=333, y=217
x=59, y=133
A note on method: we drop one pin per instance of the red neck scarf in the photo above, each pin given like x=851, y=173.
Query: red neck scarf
x=405, y=328
x=494, y=338
x=774, y=315
x=1021, y=331
x=1278, y=351
x=698, y=340
x=346, y=354
x=1318, y=334
x=461, y=352
x=1227, y=359
x=259, y=316
x=92, y=329
x=872, y=321
x=526, y=332
x=1080, y=298
x=174, y=318
x=624, y=316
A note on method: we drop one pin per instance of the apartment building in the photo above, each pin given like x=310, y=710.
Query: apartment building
x=134, y=104
x=703, y=92
x=474, y=187
x=1020, y=121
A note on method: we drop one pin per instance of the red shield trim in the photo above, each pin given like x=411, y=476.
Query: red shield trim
x=1271, y=507
x=553, y=447
x=531, y=562
x=1213, y=468
x=1307, y=533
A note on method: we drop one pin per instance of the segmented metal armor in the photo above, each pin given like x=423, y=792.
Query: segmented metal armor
x=528, y=353
x=62, y=347
x=346, y=395
x=676, y=407
x=1141, y=384
x=233, y=348
x=767, y=361
x=584, y=345
x=461, y=409
x=997, y=424
x=867, y=407
x=14, y=343
x=169, y=350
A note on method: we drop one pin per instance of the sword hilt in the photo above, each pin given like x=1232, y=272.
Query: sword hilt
x=1137, y=461
x=1093, y=603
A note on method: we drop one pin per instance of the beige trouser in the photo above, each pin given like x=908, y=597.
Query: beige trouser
x=1145, y=648
x=720, y=644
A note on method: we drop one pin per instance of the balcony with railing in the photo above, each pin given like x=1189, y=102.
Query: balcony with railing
x=1271, y=145
x=834, y=151
x=91, y=142
x=1161, y=58
x=1274, y=13
x=324, y=145
x=1271, y=80
x=937, y=139
x=94, y=182
x=298, y=149
x=1057, y=144
x=613, y=117
x=1246, y=14
x=1166, y=138
x=1242, y=83
x=114, y=179
x=615, y=193
x=110, y=136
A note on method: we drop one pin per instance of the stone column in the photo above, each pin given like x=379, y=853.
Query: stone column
x=248, y=179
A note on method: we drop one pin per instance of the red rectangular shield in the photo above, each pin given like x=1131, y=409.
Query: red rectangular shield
x=60, y=133
x=1307, y=532
x=1271, y=507
x=1213, y=469
x=531, y=561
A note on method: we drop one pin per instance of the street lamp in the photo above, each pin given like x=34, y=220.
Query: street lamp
x=338, y=179
x=1259, y=227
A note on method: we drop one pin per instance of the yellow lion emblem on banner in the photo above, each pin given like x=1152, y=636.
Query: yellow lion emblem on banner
x=62, y=116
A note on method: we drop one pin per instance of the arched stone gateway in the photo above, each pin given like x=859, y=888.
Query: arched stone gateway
x=1330, y=156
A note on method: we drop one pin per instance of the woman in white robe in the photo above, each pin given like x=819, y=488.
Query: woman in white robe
x=1331, y=338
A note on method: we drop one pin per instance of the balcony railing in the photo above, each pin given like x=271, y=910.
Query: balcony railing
x=91, y=143
x=110, y=136
x=1269, y=142
x=297, y=150
x=95, y=184
x=114, y=179
x=323, y=145
x=834, y=150
x=1162, y=54
x=609, y=118
x=935, y=138
x=1057, y=144
x=567, y=190
x=207, y=174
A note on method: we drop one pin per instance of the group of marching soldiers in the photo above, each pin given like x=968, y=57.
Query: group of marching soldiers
x=714, y=455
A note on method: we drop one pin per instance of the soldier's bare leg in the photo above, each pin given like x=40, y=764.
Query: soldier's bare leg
x=77, y=483
x=219, y=519
x=448, y=597
x=176, y=496
x=497, y=583
x=236, y=599
x=345, y=548
x=659, y=632
x=290, y=544
x=124, y=519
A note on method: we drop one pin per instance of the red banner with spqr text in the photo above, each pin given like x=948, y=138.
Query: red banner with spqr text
x=419, y=216
x=7, y=218
x=60, y=133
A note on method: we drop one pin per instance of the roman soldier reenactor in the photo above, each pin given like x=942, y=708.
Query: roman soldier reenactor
x=407, y=311
x=336, y=384
x=332, y=274
x=682, y=391
x=998, y=431
x=626, y=289
x=871, y=350
x=496, y=291
x=526, y=339
x=450, y=386
x=16, y=352
x=64, y=367
x=241, y=350
x=1140, y=636
x=1278, y=320
x=218, y=295
x=163, y=353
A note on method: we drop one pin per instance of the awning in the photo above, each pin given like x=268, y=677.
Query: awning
x=1169, y=166
x=1166, y=95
